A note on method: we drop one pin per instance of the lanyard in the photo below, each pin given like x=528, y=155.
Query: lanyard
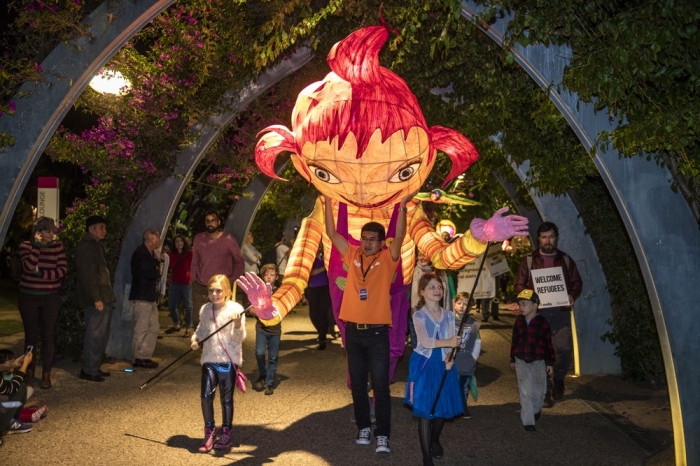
x=362, y=265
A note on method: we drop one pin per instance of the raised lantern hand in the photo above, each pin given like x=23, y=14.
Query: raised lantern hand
x=499, y=227
x=259, y=294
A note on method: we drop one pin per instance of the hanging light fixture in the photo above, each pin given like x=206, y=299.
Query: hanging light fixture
x=110, y=82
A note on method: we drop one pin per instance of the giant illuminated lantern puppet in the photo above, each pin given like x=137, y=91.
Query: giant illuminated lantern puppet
x=360, y=138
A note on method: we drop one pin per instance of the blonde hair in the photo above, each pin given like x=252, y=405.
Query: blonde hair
x=222, y=280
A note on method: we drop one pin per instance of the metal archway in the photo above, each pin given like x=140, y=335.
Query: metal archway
x=659, y=222
x=67, y=74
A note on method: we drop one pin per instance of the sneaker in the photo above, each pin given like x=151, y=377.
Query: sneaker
x=173, y=329
x=466, y=414
x=17, y=427
x=382, y=444
x=260, y=383
x=269, y=390
x=530, y=428
x=364, y=436
x=224, y=440
x=91, y=378
x=208, y=442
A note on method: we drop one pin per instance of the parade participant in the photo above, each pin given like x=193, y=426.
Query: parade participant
x=435, y=330
x=531, y=357
x=469, y=348
x=267, y=340
x=559, y=318
x=360, y=138
x=222, y=356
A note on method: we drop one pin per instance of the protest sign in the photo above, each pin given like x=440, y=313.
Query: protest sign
x=465, y=280
x=550, y=287
x=496, y=261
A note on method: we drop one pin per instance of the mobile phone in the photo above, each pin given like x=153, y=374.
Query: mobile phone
x=128, y=369
x=30, y=348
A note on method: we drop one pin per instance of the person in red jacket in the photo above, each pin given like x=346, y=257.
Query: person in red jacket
x=559, y=318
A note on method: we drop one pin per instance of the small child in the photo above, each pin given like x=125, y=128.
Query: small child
x=12, y=384
x=222, y=357
x=531, y=356
x=469, y=349
x=436, y=337
x=267, y=339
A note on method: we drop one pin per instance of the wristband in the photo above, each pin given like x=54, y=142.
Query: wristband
x=403, y=209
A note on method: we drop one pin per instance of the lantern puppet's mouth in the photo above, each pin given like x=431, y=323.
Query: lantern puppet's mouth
x=376, y=205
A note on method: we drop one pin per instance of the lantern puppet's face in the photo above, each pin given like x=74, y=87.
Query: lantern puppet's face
x=359, y=135
x=384, y=174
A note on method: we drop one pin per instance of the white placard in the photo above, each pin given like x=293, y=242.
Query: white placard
x=550, y=287
x=47, y=197
x=486, y=288
x=496, y=261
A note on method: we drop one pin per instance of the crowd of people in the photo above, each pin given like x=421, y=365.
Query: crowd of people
x=444, y=337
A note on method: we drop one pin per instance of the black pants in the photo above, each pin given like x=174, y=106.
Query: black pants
x=320, y=310
x=223, y=375
x=39, y=314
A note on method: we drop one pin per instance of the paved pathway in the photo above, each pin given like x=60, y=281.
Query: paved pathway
x=306, y=421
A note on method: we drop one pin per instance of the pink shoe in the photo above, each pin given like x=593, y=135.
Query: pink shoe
x=224, y=441
x=40, y=413
x=208, y=442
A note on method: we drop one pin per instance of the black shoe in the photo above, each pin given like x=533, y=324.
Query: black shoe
x=537, y=415
x=321, y=345
x=485, y=319
x=172, y=330
x=147, y=363
x=497, y=318
x=530, y=428
x=91, y=378
x=466, y=414
x=548, y=402
x=105, y=374
x=436, y=449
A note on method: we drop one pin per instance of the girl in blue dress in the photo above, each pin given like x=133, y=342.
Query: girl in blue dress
x=435, y=330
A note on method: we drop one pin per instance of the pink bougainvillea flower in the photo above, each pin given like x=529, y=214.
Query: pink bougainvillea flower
x=38, y=67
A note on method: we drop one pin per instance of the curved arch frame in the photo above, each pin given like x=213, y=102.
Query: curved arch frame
x=649, y=210
x=67, y=74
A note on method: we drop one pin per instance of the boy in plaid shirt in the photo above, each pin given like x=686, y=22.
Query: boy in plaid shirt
x=531, y=356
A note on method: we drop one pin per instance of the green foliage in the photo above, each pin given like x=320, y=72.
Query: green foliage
x=633, y=331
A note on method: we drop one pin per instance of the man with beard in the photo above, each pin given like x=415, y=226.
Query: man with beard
x=559, y=318
x=213, y=252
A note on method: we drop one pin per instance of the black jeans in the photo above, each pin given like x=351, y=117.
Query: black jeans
x=39, y=315
x=320, y=310
x=368, y=352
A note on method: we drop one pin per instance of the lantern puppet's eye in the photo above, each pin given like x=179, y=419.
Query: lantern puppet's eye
x=405, y=173
x=324, y=175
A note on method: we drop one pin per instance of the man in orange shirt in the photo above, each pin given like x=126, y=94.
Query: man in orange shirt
x=366, y=310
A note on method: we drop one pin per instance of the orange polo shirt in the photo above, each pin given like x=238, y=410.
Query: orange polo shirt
x=376, y=309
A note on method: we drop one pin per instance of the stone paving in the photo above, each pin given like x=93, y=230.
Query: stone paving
x=308, y=419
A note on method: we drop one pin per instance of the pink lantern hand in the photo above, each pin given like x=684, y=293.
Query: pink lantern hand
x=498, y=228
x=259, y=294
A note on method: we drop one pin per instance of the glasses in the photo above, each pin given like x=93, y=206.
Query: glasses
x=369, y=240
x=215, y=291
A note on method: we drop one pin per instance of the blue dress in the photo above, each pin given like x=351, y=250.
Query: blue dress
x=424, y=376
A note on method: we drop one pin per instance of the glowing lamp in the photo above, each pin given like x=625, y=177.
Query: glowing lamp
x=110, y=82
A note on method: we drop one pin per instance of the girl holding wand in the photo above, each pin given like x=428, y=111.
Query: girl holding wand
x=222, y=356
x=435, y=330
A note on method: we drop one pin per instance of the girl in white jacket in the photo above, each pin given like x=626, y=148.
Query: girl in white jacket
x=222, y=355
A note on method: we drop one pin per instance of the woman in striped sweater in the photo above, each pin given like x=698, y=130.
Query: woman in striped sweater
x=44, y=266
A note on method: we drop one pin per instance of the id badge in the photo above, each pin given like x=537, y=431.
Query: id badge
x=363, y=294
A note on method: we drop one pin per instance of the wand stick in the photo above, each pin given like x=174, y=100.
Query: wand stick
x=189, y=351
x=461, y=326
